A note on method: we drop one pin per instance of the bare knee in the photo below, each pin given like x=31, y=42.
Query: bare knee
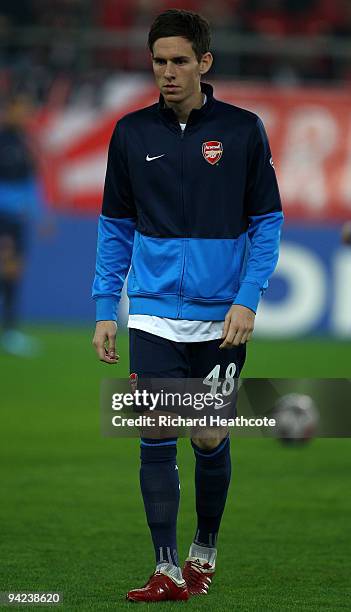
x=208, y=443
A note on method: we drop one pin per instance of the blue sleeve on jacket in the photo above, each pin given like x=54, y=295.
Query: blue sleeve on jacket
x=115, y=232
x=264, y=235
x=114, y=252
x=265, y=218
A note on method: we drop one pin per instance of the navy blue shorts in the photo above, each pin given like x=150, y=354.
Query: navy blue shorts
x=154, y=357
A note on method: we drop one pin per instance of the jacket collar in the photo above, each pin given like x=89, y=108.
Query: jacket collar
x=196, y=114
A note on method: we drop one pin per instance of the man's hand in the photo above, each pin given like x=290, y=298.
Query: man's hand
x=238, y=326
x=104, y=341
x=346, y=233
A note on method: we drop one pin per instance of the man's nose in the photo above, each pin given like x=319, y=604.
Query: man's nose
x=169, y=71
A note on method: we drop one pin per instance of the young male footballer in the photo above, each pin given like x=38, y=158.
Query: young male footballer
x=191, y=207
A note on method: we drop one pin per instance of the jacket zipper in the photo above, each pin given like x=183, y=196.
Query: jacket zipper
x=180, y=301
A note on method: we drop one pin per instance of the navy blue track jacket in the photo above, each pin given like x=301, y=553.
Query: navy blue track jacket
x=194, y=215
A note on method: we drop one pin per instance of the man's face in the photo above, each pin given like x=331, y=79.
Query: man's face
x=176, y=68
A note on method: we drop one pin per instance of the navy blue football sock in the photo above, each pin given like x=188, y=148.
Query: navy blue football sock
x=212, y=478
x=159, y=483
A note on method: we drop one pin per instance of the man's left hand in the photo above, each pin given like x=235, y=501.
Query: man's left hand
x=238, y=326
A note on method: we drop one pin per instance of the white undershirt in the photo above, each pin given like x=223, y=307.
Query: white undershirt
x=178, y=330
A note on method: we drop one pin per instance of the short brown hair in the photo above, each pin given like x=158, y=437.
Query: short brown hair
x=189, y=25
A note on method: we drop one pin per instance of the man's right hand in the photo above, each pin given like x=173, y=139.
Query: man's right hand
x=104, y=341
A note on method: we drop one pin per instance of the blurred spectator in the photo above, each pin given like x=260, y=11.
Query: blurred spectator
x=18, y=13
x=319, y=18
x=62, y=14
x=341, y=30
x=21, y=202
x=115, y=14
x=341, y=26
x=299, y=6
x=266, y=17
x=62, y=61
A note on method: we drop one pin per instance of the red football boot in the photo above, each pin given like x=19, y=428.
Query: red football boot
x=198, y=576
x=160, y=587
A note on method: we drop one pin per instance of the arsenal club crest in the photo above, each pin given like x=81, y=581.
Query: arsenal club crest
x=212, y=151
x=133, y=380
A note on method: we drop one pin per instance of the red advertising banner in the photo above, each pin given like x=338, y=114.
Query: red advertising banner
x=309, y=132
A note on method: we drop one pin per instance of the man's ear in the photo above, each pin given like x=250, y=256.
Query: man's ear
x=206, y=62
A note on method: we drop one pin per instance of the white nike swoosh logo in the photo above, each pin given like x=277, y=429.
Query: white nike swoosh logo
x=219, y=406
x=152, y=158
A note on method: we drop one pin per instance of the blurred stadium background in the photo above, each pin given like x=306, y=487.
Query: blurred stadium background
x=78, y=66
x=82, y=65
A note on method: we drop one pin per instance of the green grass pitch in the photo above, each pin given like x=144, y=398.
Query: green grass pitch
x=71, y=516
